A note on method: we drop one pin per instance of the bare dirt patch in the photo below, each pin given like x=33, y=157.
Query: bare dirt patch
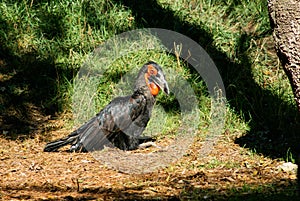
x=27, y=173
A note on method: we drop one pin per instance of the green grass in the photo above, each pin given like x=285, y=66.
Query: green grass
x=58, y=34
x=44, y=44
x=215, y=163
x=53, y=39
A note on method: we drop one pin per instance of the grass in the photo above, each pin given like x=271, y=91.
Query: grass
x=45, y=44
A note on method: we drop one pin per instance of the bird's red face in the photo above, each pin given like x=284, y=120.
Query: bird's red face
x=154, y=88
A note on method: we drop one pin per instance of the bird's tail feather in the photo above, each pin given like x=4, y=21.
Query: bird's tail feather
x=88, y=137
x=55, y=145
x=73, y=138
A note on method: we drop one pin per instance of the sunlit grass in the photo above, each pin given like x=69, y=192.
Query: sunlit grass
x=63, y=34
x=51, y=40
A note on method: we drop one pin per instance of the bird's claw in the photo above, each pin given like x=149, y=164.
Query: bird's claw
x=148, y=144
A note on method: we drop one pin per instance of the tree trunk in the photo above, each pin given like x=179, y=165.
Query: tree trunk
x=285, y=21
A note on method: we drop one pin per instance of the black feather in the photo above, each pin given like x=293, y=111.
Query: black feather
x=119, y=124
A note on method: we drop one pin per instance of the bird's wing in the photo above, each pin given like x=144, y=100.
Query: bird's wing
x=119, y=116
x=91, y=136
x=123, y=112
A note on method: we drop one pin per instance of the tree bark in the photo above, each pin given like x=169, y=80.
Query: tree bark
x=285, y=21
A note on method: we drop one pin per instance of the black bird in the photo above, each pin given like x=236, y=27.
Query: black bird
x=123, y=120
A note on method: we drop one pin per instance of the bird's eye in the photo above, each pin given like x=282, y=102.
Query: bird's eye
x=151, y=70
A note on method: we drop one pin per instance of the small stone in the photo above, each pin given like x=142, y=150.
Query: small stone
x=288, y=167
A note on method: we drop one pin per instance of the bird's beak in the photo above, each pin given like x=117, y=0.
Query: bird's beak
x=161, y=82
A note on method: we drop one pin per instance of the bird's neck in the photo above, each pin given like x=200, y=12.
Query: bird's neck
x=144, y=92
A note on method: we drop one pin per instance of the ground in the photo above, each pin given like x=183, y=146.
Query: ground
x=44, y=43
x=228, y=172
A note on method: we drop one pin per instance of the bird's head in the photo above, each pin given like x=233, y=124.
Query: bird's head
x=152, y=75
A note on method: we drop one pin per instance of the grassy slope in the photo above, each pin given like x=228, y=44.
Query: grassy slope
x=43, y=44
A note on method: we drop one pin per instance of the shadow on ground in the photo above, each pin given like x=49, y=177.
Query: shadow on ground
x=271, y=132
x=28, y=84
x=273, y=121
x=142, y=192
